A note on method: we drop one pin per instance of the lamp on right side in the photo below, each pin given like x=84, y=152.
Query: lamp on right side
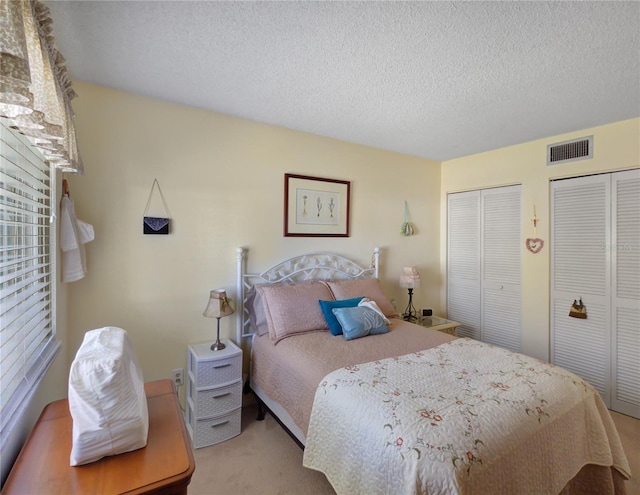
x=410, y=279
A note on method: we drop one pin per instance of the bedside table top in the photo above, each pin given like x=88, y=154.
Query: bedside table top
x=203, y=350
x=436, y=321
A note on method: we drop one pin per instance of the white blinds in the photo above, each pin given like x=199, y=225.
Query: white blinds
x=27, y=254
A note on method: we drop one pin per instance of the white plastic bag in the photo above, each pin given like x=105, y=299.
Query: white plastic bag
x=107, y=401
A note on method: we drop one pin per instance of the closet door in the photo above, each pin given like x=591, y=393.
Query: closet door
x=595, y=255
x=625, y=304
x=580, y=264
x=483, y=265
x=463, y=262
x=501, y=268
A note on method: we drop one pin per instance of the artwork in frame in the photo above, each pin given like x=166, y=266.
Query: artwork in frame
x=316, y=207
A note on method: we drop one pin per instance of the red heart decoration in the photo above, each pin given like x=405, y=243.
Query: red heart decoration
x=535, y=245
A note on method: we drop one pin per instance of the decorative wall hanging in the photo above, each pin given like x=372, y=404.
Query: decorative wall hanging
x=535, y=220
x=578, y=310
x=534, y=244
x=316, y=207
x=406, y=229
x=156, y=225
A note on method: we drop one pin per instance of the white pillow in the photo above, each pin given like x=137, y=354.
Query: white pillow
x=107, y=401
x=369, y=303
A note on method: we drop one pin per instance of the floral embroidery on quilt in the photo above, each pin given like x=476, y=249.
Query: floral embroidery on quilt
x=418, y=418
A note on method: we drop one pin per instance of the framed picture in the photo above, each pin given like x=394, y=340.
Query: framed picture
x=316, y=207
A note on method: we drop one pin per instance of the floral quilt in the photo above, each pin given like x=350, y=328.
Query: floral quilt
x=461, y=418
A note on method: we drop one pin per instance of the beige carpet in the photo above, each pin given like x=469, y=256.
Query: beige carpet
x=264, y=460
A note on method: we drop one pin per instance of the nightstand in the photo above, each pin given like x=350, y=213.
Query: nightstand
x=214, y=393
x=440, y=324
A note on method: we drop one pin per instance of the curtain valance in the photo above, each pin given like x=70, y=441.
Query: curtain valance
x=35, y=91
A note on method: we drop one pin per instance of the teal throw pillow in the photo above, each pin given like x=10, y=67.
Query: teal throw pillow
x=327, y=306
x=359, y=322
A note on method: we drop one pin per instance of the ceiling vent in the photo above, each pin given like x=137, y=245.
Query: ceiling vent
x=570, y=151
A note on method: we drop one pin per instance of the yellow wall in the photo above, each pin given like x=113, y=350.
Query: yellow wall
x=616, y=147
x=222, y=178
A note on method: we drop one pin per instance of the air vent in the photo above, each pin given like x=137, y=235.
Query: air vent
x=569, y=151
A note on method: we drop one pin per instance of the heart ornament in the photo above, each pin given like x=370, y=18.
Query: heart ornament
x=535, y=245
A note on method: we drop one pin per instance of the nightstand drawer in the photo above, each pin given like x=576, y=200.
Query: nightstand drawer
x=216, y=372
x=216, y=401
x=214, y=430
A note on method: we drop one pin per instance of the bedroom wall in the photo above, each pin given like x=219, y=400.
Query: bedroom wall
x=222, y=178
x=616, y=147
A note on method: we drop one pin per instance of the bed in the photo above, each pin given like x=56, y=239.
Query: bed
x=394, y=407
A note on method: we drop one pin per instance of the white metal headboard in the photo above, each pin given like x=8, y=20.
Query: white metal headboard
x=313, y=266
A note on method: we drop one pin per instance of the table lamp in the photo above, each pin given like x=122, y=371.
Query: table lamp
x=410, y=279
x=218, y=307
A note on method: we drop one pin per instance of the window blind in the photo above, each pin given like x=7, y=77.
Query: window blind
x=27, y=273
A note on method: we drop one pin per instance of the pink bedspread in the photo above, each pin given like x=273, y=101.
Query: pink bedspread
x=290, y=371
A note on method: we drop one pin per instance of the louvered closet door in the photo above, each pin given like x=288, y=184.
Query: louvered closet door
x=501, y=268
x=463, y=262
x=483, y=265
x=580, y=264
x=625, y=255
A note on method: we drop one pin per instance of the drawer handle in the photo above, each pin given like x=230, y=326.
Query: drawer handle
x=222, y=365
x=220, y=424
x=220, y=396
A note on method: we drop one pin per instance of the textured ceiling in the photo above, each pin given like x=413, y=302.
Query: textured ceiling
x=436, y=80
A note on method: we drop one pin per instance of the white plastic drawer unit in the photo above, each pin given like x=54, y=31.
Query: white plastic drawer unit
x=214, y=393
x=215, y=368
x=216, y=401
x=207, y=432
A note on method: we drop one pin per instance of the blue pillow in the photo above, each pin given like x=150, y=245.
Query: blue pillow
x=327, y=306
x=359, y=322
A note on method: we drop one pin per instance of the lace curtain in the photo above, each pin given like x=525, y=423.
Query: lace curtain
x=35, y=91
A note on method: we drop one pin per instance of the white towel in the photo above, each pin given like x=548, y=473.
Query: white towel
x=74, y=234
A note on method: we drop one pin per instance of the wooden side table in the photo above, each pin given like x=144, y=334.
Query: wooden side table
x=163, y=467
x=440, y=324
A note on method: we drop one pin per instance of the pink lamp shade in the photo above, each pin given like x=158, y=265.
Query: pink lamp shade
x=410, y=278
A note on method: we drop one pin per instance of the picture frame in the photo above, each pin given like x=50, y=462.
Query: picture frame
x=316, y=206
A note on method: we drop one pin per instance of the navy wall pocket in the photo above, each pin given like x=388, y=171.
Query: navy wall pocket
x=156, y=225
